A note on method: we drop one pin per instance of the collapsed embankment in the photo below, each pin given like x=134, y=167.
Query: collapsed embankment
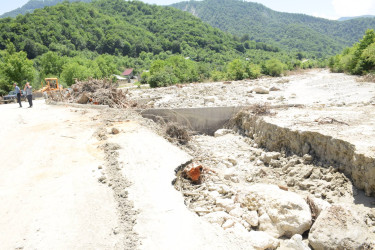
x=326, y=149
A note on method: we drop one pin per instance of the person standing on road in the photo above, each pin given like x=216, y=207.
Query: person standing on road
x=18, y=93
x=29, y=94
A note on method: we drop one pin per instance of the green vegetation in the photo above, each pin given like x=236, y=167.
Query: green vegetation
x=315, y=37
x=14, y=67
x=31, y=5
x=98, y=39
x=359, y=59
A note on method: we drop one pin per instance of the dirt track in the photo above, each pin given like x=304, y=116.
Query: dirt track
x=50, y=196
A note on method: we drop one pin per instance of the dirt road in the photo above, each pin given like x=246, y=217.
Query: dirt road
x=50, y=197
x=60, y=190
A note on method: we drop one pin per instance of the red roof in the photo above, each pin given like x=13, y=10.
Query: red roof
x=127, y=72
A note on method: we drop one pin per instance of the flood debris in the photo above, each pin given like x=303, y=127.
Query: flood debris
x=99, y=92
x=178, y=132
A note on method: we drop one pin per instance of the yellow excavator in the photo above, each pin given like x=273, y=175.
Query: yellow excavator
x=52, y=89
x=52, y=84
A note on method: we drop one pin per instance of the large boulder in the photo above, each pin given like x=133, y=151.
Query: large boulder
x=260, y=90
x=282, y=213
x=339, y=227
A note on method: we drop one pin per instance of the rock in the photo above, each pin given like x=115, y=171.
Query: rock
x=222, y=132
x=268, y=156
x=217, y=217
x=261, y=240
x=340, y=227
x=237, y=212
x=252, y=218
x=228, y=173
x=83, y=99
x=209, y=99
x=260, y=90
x=228, y=224
x=228, y=204
x=233, y=161
x=317, y=205
x=295, y=243
x=214, y=194
x=266, y=225
x=288, y=212
x=305, y=148
x=273, y=88
x=115, y=131
x=307, y=159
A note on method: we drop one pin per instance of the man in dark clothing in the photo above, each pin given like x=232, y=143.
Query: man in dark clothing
x=29, y=94
x=18, y=93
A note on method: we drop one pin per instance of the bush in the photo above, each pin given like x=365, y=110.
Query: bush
x=145, y=77
x=253, y=70
x=237, y=70
x=273, y=67
x=217, y=76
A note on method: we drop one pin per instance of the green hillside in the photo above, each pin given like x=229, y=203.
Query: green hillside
x=294, y=32
x=35, y=4
x=98, y=39
x=358, y=59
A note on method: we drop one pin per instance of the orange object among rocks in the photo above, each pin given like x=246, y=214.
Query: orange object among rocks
x=194, y=174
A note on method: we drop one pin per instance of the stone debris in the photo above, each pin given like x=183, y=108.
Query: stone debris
x=340, y=227
x=276, y=196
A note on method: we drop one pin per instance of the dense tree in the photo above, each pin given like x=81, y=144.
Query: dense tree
x=359, y=59
x=15, y=68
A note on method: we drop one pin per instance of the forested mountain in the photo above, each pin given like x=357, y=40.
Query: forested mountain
x=294, y=32
x=122, y=28
x=31, y=5
x=355, y=17
x=97, y=39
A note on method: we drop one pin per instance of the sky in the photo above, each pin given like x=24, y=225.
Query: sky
x=330, y=9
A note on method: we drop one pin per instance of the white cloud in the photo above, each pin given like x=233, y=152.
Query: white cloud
x=316, y=14
x=344, y=8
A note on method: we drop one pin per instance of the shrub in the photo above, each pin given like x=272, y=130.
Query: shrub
x=274, y=67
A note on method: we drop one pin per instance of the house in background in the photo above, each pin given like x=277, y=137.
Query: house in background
x=128, y=73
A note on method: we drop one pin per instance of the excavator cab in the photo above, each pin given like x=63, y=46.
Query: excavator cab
x=53, y=83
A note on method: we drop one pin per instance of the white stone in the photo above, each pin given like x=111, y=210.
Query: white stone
x=237, y=212
x=252, y=218
x=228, y=173
x=222, y=132
x=261, y=240
x=295, y=243
x=260, y=90
x=223, y=189
x=214, y=194
x=238, y=229
x=340, y=227
x=268, y=156
x=288, y=212
x=228, y=204
x=228, y=224
x=209, y=99
x=217, y=217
